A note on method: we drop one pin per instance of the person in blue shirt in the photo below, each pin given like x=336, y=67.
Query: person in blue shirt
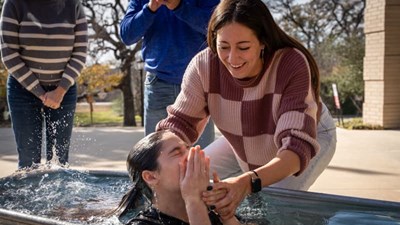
x=172, y=31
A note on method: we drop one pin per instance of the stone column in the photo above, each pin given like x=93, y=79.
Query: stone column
x=382, y=63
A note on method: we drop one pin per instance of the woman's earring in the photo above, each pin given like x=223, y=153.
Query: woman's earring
x=155, y=198
x=262, y=54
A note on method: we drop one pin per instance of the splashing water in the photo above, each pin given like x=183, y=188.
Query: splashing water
x=85, y=197
x=63, y=194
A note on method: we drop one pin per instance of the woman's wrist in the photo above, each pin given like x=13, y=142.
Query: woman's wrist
x=42, y=98
x=197, y=212
x=245, y=179
x=61, y=90
x=191, y=200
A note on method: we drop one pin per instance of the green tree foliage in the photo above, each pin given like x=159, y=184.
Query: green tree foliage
x=348, y=76
x=95, y=79
x=99, y=78
x=333, y=31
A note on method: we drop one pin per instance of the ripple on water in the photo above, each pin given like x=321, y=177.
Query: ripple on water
x=84, y=197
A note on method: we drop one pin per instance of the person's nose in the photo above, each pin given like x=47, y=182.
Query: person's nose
x=232, y=56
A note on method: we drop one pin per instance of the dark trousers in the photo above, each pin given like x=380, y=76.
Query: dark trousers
x=29, y=116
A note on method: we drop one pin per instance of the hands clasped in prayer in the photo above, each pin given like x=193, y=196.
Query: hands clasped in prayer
x=194, y=182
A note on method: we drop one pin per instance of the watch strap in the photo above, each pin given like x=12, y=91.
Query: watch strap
x=256, y=185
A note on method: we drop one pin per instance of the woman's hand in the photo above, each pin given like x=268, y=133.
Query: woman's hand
x=154, y=5
x=54, y=98
x=171, y=4
x=237, y=189
x=194, y=179
x=213, y=195
x=194, y=174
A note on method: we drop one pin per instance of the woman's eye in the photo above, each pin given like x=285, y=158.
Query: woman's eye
x=223, y=47
x=244, y=48
x=178, y=152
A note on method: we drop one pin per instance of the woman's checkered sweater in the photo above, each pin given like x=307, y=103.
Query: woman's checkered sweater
x=259, y=117
x=43, y=42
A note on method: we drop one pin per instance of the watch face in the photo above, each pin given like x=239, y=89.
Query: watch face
x=255, y=185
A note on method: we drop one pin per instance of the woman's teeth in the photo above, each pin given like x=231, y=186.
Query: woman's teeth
x=237, y=66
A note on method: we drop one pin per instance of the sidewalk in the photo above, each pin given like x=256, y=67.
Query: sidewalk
x=366, y=163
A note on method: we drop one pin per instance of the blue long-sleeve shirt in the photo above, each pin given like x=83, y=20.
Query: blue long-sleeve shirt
x=170, y=37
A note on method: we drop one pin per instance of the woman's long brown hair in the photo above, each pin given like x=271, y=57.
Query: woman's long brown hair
x=255, y=15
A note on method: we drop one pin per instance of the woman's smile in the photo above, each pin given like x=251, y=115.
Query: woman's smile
x=239, y=50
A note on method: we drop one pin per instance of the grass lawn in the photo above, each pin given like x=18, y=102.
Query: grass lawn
x=104, y=118
x=357, y=124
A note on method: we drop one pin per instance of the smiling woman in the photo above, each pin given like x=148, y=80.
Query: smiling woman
x=240, y=51
x=261, y=88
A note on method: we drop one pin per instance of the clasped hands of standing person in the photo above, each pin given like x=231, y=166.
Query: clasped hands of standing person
x=170, y=4
x=53, y=99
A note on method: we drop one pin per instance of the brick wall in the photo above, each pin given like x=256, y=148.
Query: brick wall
x=382, y=63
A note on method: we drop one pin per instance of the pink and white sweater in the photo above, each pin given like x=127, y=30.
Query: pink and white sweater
x=272, y=112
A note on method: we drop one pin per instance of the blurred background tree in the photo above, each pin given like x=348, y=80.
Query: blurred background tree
x=97, y=79
x=104, y=17
x=333, y=31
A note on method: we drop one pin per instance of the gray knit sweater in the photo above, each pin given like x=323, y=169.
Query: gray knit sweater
x=43, y=42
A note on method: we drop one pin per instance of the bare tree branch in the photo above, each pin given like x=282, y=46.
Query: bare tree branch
x=104, y=19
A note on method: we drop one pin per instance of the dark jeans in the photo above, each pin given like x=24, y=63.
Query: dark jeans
x=29, y=116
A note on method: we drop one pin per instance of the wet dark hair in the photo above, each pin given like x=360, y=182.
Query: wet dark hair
x=143, y=156
x=255, y=15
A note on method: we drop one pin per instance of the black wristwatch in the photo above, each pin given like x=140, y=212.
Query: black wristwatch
x=255, y=182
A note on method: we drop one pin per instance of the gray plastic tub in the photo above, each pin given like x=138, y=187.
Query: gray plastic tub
x=96, y=192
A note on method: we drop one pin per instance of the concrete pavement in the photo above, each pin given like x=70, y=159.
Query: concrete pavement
x=366, y=163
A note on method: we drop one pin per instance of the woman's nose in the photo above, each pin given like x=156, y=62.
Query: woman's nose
x=232, y=55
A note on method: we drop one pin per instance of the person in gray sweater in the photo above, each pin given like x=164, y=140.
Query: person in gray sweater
x=43, y=47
